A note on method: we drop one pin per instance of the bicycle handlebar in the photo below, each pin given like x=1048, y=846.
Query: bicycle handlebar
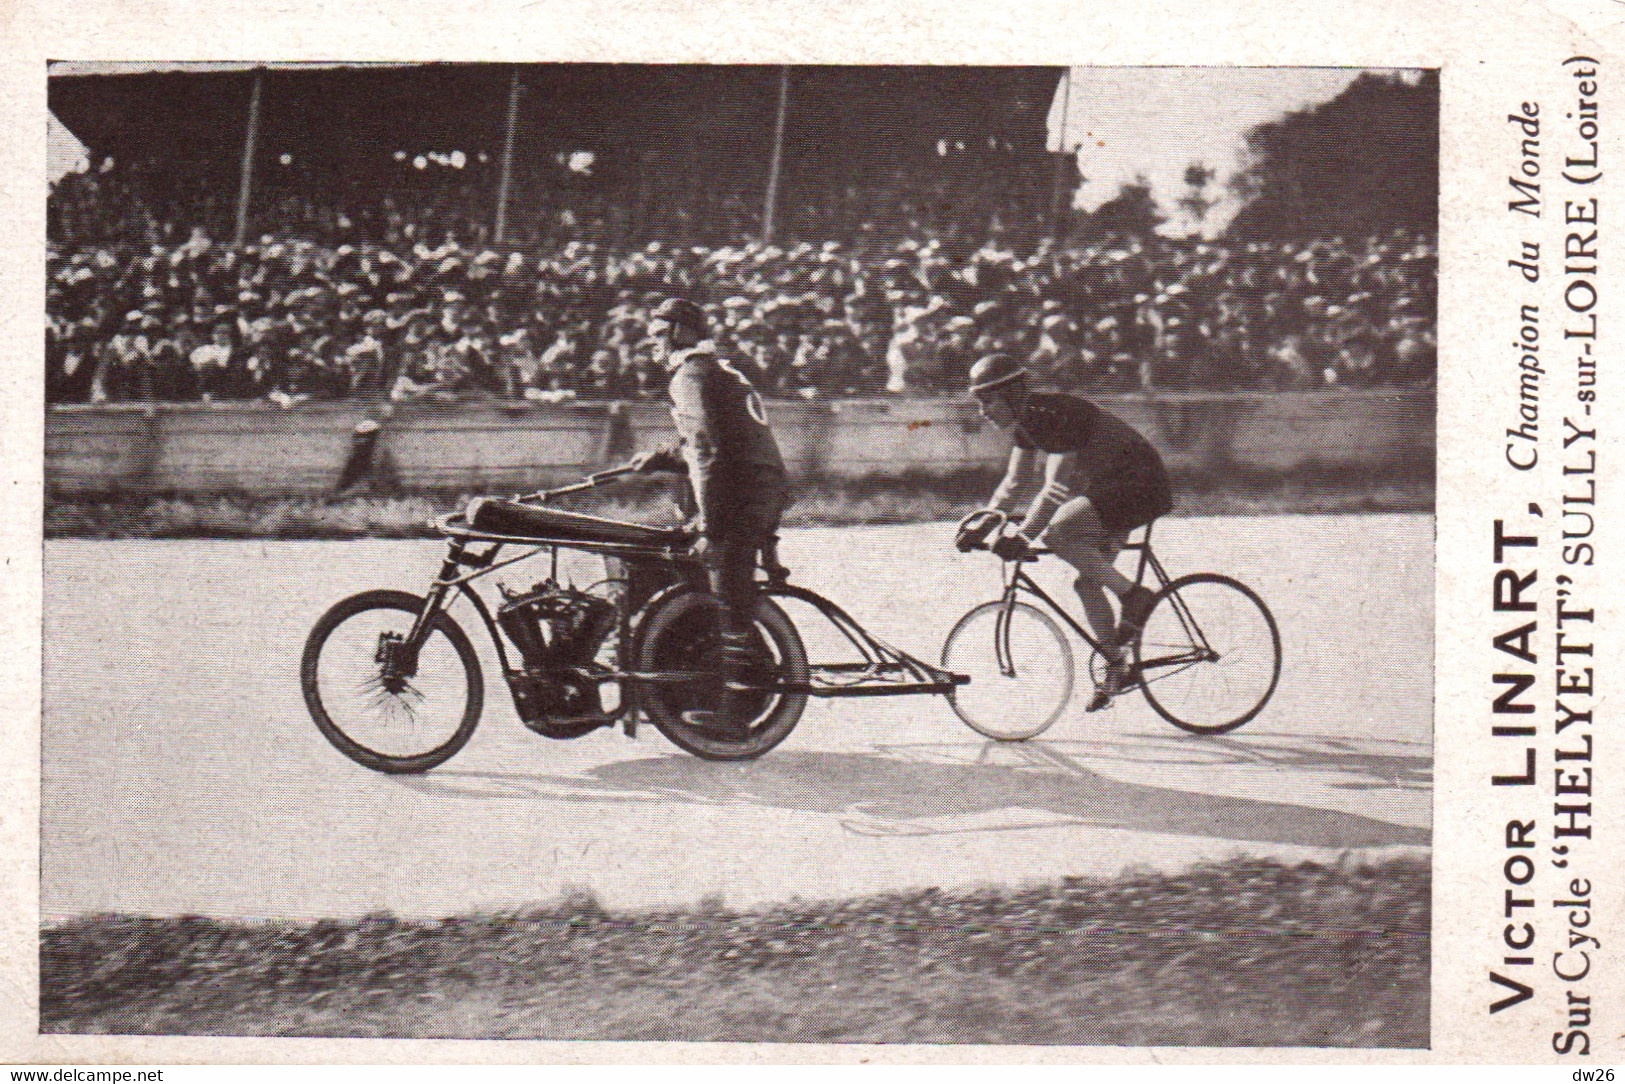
x=985, y=522
x=1035, y=551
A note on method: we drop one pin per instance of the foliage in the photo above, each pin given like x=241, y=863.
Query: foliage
x=919, y=500
x=1133, y=212
x=1364, y=163
x=1252, y=952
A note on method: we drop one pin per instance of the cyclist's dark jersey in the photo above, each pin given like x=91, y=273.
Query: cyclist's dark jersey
x=1116, y=468
x=1057, y=423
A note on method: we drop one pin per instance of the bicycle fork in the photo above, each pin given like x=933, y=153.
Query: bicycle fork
x=1001, y=634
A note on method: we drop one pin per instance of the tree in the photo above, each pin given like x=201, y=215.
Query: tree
x=1365, y=162
x=1132, y=212
x=1196, y=202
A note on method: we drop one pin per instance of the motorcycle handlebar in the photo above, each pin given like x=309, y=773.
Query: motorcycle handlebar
x=592, y=481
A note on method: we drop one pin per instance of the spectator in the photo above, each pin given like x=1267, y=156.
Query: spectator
x=400, y=294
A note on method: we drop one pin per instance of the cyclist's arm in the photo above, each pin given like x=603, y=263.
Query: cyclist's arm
x=1015, y=472
x=1055, y=492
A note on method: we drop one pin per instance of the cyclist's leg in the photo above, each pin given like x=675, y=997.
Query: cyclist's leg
x=731, y=569
x=1098, y=609
x=774, y=504
x=1077, y=536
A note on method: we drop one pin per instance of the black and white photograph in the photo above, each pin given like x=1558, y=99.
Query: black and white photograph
x=740, y=553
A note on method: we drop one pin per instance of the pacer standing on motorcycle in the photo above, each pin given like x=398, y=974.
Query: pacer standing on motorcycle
x=739, y=483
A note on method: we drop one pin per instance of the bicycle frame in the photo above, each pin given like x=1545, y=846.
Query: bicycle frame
x=1017, y=582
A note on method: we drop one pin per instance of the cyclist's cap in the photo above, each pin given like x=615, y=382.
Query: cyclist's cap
x=994, y=371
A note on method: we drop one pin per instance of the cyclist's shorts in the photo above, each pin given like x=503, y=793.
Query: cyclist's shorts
x=1131, y=492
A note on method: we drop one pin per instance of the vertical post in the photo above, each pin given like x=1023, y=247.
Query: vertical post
x=506, y=177
x=772, y=199
x=245, y=182
x=1060, y=155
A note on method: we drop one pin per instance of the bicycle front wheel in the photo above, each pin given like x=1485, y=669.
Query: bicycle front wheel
x=1209, y=656
x=391, y=718
x=1020, y=669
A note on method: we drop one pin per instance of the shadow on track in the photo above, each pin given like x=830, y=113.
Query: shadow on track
x=1339, y=763
x=952, y=788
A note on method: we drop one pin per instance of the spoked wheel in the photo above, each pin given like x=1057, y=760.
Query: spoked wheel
x=378, y=707
x=682, y=637
x=1209, y=656
x=1020, y=669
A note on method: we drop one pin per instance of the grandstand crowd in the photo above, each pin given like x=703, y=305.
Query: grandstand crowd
x=392, y=298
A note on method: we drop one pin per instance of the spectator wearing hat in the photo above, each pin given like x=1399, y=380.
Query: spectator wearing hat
x=1250, y=304
x=911, y=355
x=122, y=371
x=217, y=368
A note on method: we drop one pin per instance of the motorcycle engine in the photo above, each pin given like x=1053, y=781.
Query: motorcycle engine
x=555, y=628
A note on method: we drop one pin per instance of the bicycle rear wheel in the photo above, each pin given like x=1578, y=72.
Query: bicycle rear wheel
x=1020, y=669
x=1209, y=656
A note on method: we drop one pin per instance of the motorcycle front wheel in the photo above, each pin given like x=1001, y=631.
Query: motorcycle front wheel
x=385, y=715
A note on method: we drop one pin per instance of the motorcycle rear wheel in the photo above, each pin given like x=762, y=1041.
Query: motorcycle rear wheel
x=681, y=637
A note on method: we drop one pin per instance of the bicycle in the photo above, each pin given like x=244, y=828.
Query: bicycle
x=1207, y=659
x=394, y=683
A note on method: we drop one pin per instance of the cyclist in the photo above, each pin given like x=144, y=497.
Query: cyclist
x=737, y=474
x=1101, y=480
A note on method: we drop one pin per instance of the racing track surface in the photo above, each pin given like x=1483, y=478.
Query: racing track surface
x=181, y=773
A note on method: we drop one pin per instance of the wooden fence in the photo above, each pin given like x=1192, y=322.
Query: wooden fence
x=260, y=449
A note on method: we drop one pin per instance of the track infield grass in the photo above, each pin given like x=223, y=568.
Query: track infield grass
x=1251, y=952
